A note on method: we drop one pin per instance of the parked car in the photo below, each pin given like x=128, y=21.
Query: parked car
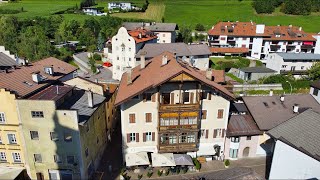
x=107, y=64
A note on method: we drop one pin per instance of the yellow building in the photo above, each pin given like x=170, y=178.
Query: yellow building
x=11, y=142
x=64, y=130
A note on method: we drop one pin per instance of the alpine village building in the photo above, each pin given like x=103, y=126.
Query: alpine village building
x=168, y=106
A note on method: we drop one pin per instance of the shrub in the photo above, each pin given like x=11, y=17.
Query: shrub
x=149, y=174
x=159, y=173
x=167, y=172
x=96, y=57
x=178, y=171
x=196, y=163
x=227, y=162
x=199, y=27
x=140, y=176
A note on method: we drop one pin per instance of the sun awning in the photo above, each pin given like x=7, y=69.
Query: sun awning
x=183, y=160
x=136, y=159
x=307, y=43
x=165, y=159
x=206, y=150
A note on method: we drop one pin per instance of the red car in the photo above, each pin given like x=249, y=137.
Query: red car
x=107, y=64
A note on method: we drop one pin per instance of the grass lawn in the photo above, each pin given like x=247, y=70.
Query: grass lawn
x=183, y=12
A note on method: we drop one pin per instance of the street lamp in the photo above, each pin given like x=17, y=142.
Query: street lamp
x=290, y=87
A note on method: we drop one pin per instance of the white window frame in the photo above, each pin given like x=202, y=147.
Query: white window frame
x=3, y=157
x=133, y=137
x=54, y=139
x=235, y=139
x=16, y=157
x=34, y=138
x=2, y=118
x=172, y=139
x=233, y=153
x=14, y=138
x=37, y=114
x=148, y=136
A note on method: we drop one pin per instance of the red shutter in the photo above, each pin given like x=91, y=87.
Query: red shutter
x=209, y=95
x=223, y=131
x=215, y=132
x=172, y=98
x=153, y=97
x=137, y=137
x=191, y=97
x=207, y=133
x=220, y=113
x=128, y=137
x=144, y=137
x=153, y=136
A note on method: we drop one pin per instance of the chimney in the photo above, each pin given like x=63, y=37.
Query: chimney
x=282, y=98
x=143, y=59
x=96, y=80
x=296, y=108
x=129, y=76
x=300, y=28
x=271, y=92
x=140, y=35
x=164, y=60
x=209, y=74
x=90, y=99
x=57, y=89
x=36, y=77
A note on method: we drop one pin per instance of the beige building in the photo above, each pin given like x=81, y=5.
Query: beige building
x=169, y=107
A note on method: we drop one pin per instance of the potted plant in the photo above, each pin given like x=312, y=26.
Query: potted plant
x=140, y=176
x=159, y=173
x=226, y=163
x=149, y=174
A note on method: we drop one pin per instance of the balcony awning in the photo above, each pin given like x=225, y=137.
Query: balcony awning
x=189, y=114
x=206, y=150
x=169, y=115
x=183, y=160
x=164, y=159
x=309, y=43
x=136, y=159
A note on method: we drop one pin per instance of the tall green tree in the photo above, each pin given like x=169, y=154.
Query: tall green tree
x=87, y=38
x=8, y=33
x=297, y=7
x=314, y=72
x=68, y=29
x=185, y=34
x=93, y=25
x=34, y=44
x=101, y=41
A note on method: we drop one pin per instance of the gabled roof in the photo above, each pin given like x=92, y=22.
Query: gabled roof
x=301, y=132
x=181, y=49
x=268, y=111
x=242, y=125
x=20, y=81
x=154, y=74
x=155, y=27
x=145, y=35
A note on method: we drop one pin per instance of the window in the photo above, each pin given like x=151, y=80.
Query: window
x=67, y=137
x=129, y=49
x=220, y=113
x=204, y=133
x=233, y=153
x=123, y=49
x=166, y=98
x=293, y=68
x=34, y=135
x=2, y=118
x=57, y=159
x=204, y=95
x=163, y=35
x=132, y=137
x=315, y=92
x=147, y=96
x=204, y=114
x=186, y=97
x=191, y=139
x=132, y=118
x=148, y=117
x=54, y=136
x=118, y=67
x=248, y=138
x=37, y=158
x=37, y=114
x=118, y=58
x=172, y=139
x=284, y=66
x=148, y=136
x=12, y=139
x=129, y=59
x=3, y=157
x=244, y=39
x=16, y=157
x=235, y=139
x=302, y=67
x=0, y=140
x=86, y=152
x=70, y=160
x=168, y=121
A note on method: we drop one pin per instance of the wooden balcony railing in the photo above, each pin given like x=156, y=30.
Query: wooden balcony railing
x=178, y=127
x=177, y=148
x=178, y=107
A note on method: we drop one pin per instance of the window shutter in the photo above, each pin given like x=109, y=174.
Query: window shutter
x=209, y=95
x=215, y=132
x=207, y=133
x=191, y=97
x=144, y=137
x=153, y=136
x=172, y=98
x=153, y=97
x=223, y=131
x=137, y=137
x=134, y=118
x=204, y=114
x=220, y=113
x=128, y=137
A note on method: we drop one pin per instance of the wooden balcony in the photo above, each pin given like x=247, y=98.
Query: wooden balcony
x=178, y=107
x=179, y=127
x=177, y=148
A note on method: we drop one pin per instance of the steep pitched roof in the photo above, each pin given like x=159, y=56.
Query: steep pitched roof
x=20, y=81
x=301, y=132
x=242, y=125
x=268, y=111
x=155, y=74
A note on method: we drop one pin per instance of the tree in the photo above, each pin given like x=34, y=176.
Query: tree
x=185, y=34
x=263, y=6
x=68, y=30
x=199, y=27
x=87, y=38
x=8, y=33
x=314, y=72
x=101, y=41
x=34, y=44
x=297, y=7
x=93, y=25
